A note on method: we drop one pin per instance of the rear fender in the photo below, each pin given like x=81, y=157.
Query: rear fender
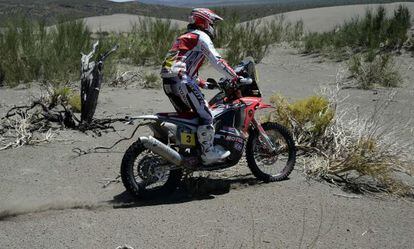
x=167, y=132
x=143, y=117
x=161, y=128
x=160, y=119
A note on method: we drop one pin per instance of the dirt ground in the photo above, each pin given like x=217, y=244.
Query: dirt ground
x=60, y=201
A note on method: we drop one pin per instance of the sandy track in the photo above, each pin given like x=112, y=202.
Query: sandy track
x=241, y=213
x=60, y=202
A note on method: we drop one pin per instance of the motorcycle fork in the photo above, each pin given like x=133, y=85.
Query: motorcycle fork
x=263, y=137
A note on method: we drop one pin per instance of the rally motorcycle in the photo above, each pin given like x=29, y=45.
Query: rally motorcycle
x=154, y=165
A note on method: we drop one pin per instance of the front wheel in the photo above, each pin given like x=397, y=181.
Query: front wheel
x=147, y=175
x=271, y=165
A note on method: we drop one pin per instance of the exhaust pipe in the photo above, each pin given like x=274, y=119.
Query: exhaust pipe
x=161, y=149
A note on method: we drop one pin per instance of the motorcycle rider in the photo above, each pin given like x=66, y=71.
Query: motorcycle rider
x=182, y=84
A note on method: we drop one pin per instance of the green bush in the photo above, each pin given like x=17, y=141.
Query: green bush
x=2, y=76
x=373, y=31
x=248, y=40
x=307, y=118
x=353, y=153
x=59, y=95
x=75, y=102
x=66, y=96
x=150, y=40
x=254, y=38
x=151, y=80
x=67, y=41
x=226, y=30
x=370, y=70
x=291, y=32
x=30, y=51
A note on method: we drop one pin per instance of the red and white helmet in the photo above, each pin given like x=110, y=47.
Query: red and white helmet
x=204, y=19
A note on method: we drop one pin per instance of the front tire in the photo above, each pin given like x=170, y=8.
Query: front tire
x=137, y=157
x=285, y=150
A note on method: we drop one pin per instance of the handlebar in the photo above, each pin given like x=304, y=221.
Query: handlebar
x=104, y=56
x=226, y=83
x=245, y=81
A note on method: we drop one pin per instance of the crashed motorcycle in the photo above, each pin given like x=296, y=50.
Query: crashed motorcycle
x=91, y=80
x=154, y=164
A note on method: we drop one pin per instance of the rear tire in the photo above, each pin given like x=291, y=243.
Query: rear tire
x=139, y=189
x=289, y=151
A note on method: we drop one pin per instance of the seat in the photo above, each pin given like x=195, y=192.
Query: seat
x=186, y=117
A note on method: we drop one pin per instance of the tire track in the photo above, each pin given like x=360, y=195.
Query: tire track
x=30, y=208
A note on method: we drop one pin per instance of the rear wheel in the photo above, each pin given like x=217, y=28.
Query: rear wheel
x=147, y=175
x=270, y=166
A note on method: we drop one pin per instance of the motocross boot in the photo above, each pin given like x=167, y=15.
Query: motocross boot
x=211, y=154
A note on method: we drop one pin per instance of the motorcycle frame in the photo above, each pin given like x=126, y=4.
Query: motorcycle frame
x=252, y=105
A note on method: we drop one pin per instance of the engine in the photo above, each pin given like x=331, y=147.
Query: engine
x=228, y=121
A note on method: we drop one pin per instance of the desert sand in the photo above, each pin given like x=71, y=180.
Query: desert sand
x=325, y=19
x=119, y=23
x=77, y=212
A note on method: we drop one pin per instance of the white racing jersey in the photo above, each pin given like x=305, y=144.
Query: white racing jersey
x=188, y=54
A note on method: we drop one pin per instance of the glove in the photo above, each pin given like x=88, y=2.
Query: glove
x=236, y=80
x=211, y=84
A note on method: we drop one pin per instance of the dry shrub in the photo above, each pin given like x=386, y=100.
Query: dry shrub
x=374, y=70
x=144, y=79
x=75, y=102
x=307, y=118
x=19, y=131
x=151, y=80
x=365, y=154
x=66, y=96
x=345, y=147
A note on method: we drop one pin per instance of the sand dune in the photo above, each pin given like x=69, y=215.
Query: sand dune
x=50, y=197
x=316, y=20
x=118, y=22
x=324, y=19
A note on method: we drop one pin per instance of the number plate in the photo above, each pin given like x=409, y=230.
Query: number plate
x=188, y=139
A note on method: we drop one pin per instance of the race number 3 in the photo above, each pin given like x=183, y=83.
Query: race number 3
x=188, y=139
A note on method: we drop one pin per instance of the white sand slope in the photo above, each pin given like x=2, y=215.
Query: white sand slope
x=325, y=19
x=119, y=22
x=316, y=20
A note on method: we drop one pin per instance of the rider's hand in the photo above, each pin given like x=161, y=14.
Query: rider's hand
x=236, y=80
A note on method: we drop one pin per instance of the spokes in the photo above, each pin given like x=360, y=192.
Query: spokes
x=151, y=171
x=271, y=161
